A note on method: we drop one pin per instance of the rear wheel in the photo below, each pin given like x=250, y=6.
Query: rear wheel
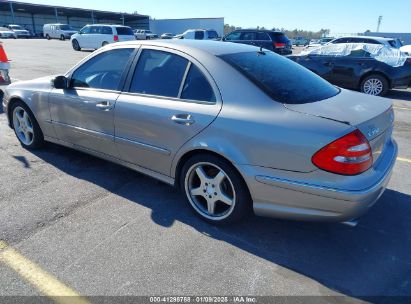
x=104, y=43
x=25, y=126
x=76, y=45
x=375, y=84
x=48, y=37
x=62, y=38
x=214, y=189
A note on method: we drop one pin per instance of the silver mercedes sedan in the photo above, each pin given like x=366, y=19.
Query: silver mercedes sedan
x=237, y=128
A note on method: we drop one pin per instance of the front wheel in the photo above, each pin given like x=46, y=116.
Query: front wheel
x=76, y=45
x=48, y=37
x=375, y=84
x=215, y=190
x=25, y=127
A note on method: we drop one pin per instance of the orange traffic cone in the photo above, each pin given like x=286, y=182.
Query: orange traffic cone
x=4, y=67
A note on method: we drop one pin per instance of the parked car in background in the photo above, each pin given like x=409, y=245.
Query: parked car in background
x=284, y=143
x=167, y=36
x=369, y=68
x=270, y=40
x=315, y=43
x=390, y=42
x=19, y=31
x=199, y=34
x=98, y=35
x=58, y=31
x=144, y=35
x=298, y=41
x=7, y=33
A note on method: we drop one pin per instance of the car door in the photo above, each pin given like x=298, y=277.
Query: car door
x=83, y=37
x=83, y=114
x=171, y=98
x=95, y=37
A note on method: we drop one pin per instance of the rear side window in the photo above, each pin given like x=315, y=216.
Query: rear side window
x=124, y=31
x=248, y=36
x=279, y=37
x=100, y=73
x=106, y=30
x=282, y=79
x=262, y=36
x=199, y=35
x=159, y=73
x=197, y=87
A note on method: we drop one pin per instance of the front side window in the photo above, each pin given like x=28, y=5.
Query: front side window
x=233, y=36
x=95, y=30
x=85, y=30
x=282, y=79
x=197, y=87
x=100, y=73
x=159, y=73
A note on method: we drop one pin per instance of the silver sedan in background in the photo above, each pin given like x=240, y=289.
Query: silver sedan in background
x=239, y=129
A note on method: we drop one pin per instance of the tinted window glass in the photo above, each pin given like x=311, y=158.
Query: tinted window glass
x=106, y=30
x=248, y=36
x=212, y=34
x=199, y=35
x=95, y=29
x=197, y=86
x=233, y=36
x=85, y=30
x=124, y=31
x=158, y=73
x=342, y=40
x=278, y=37
x=100, y=73
x=282, y=79
x=262, y=36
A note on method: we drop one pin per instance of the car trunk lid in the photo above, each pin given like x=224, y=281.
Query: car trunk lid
x=373, y=116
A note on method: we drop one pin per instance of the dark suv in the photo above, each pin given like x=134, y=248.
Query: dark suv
x=271, y=40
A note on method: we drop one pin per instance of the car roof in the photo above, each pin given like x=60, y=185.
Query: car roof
x=369, y=37
x=258, y=30
x=215, y=48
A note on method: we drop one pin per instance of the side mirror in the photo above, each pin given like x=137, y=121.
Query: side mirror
x=60, y=82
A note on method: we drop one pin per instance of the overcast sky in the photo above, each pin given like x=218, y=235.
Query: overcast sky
x=341, y=16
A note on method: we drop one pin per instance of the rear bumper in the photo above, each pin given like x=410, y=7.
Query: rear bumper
x=310, y=201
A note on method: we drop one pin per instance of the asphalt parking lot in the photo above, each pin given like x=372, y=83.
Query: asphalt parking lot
x=104, y=230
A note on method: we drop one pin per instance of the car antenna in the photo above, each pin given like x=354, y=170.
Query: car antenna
x=261, y=52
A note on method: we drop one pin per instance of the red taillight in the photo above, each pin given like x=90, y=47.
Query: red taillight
x=279, y=45
x=409, y=59
x=349, y=155
x=115, y=38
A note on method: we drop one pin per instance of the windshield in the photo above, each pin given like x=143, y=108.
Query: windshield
x=282, y=79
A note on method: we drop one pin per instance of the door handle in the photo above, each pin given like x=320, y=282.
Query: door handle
x=105, y=106
x=183, y=119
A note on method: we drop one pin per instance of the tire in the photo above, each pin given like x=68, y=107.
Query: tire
x=374, y=84
x=62, y=38
x=25, y=126
x=48, y=37
x=205, y=179
x=76, y=45
x=104, y=43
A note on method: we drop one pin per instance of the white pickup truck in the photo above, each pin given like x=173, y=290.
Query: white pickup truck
x=144, y=35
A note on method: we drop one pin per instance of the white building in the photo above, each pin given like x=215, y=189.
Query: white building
x=179, y=26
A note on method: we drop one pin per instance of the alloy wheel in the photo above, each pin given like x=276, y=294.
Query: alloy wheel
x=373, y=86
x=210, y=191
x=23, y=126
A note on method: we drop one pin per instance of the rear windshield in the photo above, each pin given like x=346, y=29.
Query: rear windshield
x=278, y=37
x=282, y=79
x=124, y=31
x=212, y=34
